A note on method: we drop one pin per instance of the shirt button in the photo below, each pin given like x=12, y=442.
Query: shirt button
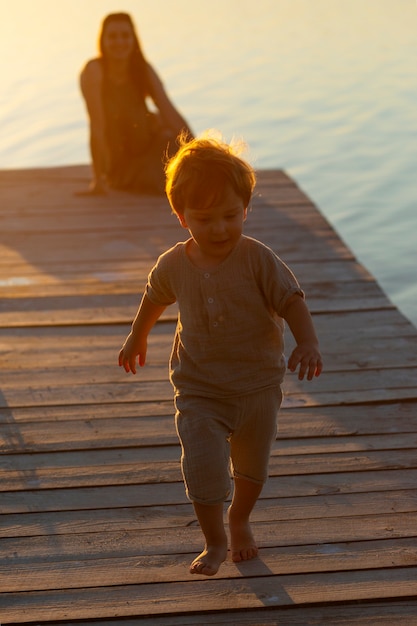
x=210, y=300
x=206, y=275
x=215, y=324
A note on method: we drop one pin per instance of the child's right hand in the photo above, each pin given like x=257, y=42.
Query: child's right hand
x=308, y=357
x=131, y=350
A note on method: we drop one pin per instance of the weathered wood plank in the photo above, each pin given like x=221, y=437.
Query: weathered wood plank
x=47, y=255
x=127, y=274
x=155, y=440
x=386, y=613
x=156, y=370
x=96, y=432
x=362, y=369
x=333, y=388
x=135, y=517
x=155, y=494
x=218, y=595
x=39, y=576
x=101, y=309
x=171, y=541
x=370, y=325
x=305, y=422
x=150, y=212
x=138, y=470
x=389, y=343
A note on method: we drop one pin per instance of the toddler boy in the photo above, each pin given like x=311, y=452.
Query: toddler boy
x=227, y=361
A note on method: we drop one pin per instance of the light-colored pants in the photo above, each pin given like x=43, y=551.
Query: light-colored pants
x=222, y=434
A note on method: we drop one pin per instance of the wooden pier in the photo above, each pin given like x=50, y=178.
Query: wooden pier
x=94, y=523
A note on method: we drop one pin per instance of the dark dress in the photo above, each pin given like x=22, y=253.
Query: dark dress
x=136, y=138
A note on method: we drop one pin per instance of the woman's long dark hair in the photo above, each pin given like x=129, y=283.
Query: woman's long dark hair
x=137, y=62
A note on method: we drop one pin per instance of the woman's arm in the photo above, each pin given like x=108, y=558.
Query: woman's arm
x=91, y=80
x=307, y=352
x=136, y=342
x=169, y=114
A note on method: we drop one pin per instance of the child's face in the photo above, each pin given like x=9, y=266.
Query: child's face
x=216, y=229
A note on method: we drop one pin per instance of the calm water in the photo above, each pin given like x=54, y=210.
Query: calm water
x=326, y=89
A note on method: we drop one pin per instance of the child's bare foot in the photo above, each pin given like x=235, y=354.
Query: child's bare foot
x=243, y=544
x=209, y=561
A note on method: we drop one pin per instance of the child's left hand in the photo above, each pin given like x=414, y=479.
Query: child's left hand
x=308, y=357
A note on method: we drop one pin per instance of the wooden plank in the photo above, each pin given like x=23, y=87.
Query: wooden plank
x=387, y=344
x=368, y=325
x=142, y=432
x=158, y=430
x=172, y=540
x=65, y=362
x=156, y=494
x=124, y=273
x=218, y=595
x=155, y=439
x=305, y=422
x=168, y=471
x=156, y=369
x=143, y=445
x=79, y=219
x=46, y=249
x=135, y=517
x=387, y=613
x=100, y=572
x=58, y=310
x=331, y=389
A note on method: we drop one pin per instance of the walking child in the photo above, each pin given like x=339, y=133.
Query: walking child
x=227, y=362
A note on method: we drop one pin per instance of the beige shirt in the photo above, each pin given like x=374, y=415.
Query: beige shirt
x=229, y=335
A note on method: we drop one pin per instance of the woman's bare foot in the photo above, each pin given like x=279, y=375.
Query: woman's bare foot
x=243, y=544
x=209, y=561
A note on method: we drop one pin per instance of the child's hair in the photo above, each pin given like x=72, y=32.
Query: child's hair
x=197, y=175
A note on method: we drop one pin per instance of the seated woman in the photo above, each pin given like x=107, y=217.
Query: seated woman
x=128, y=142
